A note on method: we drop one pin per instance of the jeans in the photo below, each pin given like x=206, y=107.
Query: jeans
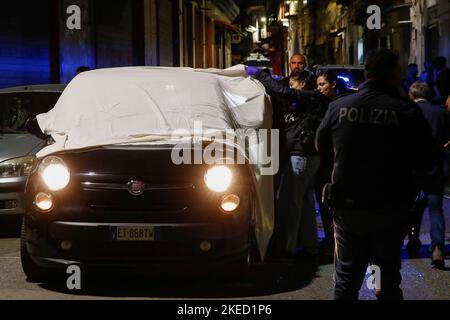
x=437, y=223
x=295, y=223
x=368, y=237
x=433, y=199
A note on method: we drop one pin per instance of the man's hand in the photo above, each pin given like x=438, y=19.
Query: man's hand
x=447, y=104
x=252, y=71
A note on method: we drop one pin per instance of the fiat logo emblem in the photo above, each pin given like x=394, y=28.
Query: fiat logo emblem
x=136, y=187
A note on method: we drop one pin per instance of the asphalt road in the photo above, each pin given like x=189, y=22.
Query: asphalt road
x=304, y=279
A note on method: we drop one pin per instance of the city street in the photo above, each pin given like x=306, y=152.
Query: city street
x=291, y=281
x=163, y=143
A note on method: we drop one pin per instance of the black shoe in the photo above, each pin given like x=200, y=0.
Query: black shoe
x=413, y=248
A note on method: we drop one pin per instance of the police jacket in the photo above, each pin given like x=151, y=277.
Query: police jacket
x=302, y=115
x=379, y=141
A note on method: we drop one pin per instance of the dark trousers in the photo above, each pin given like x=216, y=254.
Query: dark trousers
x=368, y=237
x=415, y=218
x=296, y=213
x=323, y=176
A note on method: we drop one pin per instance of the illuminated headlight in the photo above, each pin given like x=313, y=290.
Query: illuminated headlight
x=43, y=201
x=18, y=167
x=218, y=178
x=55, y=173
x=230, y=203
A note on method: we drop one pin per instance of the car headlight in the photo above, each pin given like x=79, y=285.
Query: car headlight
x=230, y=203
x=43, y=201
x=218, y=178
x=18, y=167
x=55, y=173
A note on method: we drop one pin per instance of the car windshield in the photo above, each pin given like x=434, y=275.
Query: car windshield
x=17, y=108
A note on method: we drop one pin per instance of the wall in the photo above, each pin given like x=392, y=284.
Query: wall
x=76, y=47
x=24, y=43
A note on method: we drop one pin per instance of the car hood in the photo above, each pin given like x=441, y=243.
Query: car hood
x=19, y=145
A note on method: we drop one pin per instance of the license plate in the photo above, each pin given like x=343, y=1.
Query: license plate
x=134, y=234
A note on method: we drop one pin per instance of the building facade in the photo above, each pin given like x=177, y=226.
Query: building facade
x=335, y=31
x=46, y=43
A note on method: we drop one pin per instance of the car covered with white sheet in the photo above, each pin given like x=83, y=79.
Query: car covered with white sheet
x=127, y=181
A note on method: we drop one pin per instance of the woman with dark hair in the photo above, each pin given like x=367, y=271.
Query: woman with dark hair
x=328, y=85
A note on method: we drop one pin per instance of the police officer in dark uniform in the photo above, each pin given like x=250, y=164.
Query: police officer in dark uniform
x=379, y=140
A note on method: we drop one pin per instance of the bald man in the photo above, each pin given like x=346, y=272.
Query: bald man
x=297, y=63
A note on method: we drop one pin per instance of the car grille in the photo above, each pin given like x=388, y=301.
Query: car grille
x=90, y=186
x=111, y=197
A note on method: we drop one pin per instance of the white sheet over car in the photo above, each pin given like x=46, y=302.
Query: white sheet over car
x=146, y=105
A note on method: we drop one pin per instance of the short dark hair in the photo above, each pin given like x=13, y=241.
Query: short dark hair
x=304, y=76
x=380, y=63
x=329, y=75
x=420, y=90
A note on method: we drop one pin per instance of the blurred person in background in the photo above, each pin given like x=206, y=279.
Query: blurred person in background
x=432, y=183
x=410, y=77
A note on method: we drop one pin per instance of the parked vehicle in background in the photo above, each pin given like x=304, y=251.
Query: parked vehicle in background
x=258, y=60
x=17, y=146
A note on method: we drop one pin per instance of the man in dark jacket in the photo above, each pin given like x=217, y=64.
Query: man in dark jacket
x=297, y=65
x=433, y=181
x=379, y=140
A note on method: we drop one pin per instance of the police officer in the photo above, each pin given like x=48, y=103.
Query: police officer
x=379, y=140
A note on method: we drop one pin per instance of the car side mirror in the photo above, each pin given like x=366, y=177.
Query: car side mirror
x=32, y=126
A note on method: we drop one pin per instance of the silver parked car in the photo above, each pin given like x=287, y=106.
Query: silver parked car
x=17, y=147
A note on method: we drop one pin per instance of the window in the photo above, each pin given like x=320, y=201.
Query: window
x=17, y=108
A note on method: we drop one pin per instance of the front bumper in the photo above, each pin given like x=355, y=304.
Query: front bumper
x=12, y=199
x=177, y=247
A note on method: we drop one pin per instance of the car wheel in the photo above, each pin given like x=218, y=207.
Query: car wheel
x=33, y=272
